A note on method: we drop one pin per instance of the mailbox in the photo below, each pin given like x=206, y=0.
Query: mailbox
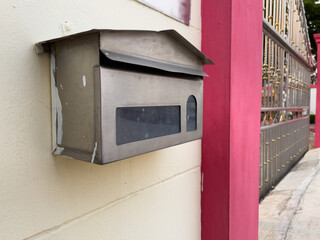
x=118, y=94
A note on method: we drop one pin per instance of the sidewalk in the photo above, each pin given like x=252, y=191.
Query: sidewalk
x=292, y=210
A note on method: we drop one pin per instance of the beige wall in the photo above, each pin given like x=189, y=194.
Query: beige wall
x=153, y=196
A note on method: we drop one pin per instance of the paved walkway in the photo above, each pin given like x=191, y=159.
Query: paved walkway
x=292, y=210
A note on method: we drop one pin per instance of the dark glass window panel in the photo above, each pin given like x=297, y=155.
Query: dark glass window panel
x=140, y=123
x=191, y=114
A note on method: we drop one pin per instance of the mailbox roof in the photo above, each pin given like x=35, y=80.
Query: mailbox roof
x=138, y=59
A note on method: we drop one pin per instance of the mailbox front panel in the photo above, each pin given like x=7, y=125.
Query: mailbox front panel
x=144, y=112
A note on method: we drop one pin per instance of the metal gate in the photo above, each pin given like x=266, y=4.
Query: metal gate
x=285, y=92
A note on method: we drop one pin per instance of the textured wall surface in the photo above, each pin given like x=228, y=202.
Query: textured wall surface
x=153, y=196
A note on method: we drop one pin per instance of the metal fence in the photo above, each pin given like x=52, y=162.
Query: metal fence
x=285, y=92
x=282, y=145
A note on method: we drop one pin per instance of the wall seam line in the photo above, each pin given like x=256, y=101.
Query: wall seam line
x=106, y=206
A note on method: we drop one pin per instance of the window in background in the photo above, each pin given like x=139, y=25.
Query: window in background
x=177, y=9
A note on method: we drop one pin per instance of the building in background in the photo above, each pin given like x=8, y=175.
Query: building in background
x=313, y=99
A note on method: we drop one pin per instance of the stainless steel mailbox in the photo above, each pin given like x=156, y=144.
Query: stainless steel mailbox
x=118, y=94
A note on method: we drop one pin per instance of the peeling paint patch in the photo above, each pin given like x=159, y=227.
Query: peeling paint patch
x=94, y=152
x=59, y=116
x=58, y=150
x=53, y=102
x=84, y=80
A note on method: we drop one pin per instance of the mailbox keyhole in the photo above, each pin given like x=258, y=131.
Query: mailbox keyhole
x=191, y=114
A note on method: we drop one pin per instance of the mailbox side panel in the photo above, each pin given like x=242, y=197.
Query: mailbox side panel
x=122, y=89
x=75, y=85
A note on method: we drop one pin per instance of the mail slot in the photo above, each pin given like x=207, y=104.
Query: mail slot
x=118, y=94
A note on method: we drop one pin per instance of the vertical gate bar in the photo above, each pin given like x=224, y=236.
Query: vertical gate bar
x=269, y=64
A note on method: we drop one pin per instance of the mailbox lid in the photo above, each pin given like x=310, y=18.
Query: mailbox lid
x=165, y=50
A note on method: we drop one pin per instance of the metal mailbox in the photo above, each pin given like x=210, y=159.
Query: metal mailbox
x=118, y=94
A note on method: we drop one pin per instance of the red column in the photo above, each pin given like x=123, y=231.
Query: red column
x=232, y=38
x=317, y=122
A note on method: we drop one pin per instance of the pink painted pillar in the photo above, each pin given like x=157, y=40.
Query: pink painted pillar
x=232, y=38
x=317, y=122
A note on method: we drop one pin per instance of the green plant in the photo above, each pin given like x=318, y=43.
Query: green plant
x=312, y=118
x=312, y=10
